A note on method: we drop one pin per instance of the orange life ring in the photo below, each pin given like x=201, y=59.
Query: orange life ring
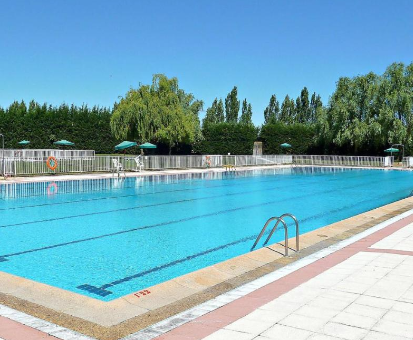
x=52, y=189
x=51, y=163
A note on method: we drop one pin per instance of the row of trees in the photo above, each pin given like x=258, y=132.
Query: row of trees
x=303, y=110
x=216, y=115
x=365, y=115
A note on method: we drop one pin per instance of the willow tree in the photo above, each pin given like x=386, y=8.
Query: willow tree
x=160, y=112
x=368, y=113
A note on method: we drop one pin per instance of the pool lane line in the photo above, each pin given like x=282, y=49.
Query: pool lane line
x=178, y=182
x=138, y=207
x=167, y=203
x=102, y=290
x=3, y=258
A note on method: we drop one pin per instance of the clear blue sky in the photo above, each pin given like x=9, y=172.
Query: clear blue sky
x=93, y=51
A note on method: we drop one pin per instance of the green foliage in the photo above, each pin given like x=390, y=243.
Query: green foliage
x=272, y=111
x=302, y=138
x=287, y=115
x=232, y=106
x=223, y=138
x=246, y=113
x=211, y=114
x=368, y=113
x=44, y=124
x=161, y=112
x=220, y=112
x=215, y=113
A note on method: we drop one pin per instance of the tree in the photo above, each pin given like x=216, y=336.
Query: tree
x=305, y=106
x=287, y=115
x=220, y=112
x=246, y=113
x=161, y=112
x=272, y=111
x=211, y=113
x=315, y=105
x=298, y=111
x=232, y=106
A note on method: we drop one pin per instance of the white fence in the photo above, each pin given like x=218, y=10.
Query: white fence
x=407, y=162
x=36, y=166
x=42, y=153
x=357, y=161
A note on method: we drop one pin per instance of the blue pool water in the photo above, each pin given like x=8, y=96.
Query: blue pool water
x=108, y=238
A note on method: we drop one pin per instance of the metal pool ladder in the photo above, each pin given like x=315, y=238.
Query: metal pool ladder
x=280, y=219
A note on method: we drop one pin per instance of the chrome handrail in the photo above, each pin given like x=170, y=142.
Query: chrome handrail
x=297, y=231
x=280, y=219
x=265, y=227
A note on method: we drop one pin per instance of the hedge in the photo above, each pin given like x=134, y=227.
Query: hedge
x=301, y=137
x=43, y=124
x=224, y=138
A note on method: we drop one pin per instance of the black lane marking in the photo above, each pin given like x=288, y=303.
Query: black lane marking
x=102, y=290
x=4, y=257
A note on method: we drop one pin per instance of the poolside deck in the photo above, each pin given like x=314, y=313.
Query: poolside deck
x=212, y=300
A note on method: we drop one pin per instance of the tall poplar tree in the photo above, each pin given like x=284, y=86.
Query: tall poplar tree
x=211, y=113
x=272, y=111
x=232, y=106
x=220, y=112
x=287, y=114
x=246, y=113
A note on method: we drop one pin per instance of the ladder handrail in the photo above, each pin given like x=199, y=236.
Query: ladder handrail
x=265, y=227
x=280, y=219
x=297, y=231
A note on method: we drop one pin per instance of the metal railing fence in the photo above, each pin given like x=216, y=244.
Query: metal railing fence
x=42, y=153
x=357, y=161
x=37, y=166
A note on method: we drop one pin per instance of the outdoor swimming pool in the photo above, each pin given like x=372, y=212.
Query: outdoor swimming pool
x=110, y=237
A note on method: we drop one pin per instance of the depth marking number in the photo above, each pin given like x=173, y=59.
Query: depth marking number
x=142, y=293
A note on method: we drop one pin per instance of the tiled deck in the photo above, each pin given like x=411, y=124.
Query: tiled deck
x=363, y=291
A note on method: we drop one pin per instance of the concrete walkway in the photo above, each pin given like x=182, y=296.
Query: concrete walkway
x=362, y=291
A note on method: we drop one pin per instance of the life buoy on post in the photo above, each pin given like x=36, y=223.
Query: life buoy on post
x=51, y=163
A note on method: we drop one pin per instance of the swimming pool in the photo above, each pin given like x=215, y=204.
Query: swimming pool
x=110, y=237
